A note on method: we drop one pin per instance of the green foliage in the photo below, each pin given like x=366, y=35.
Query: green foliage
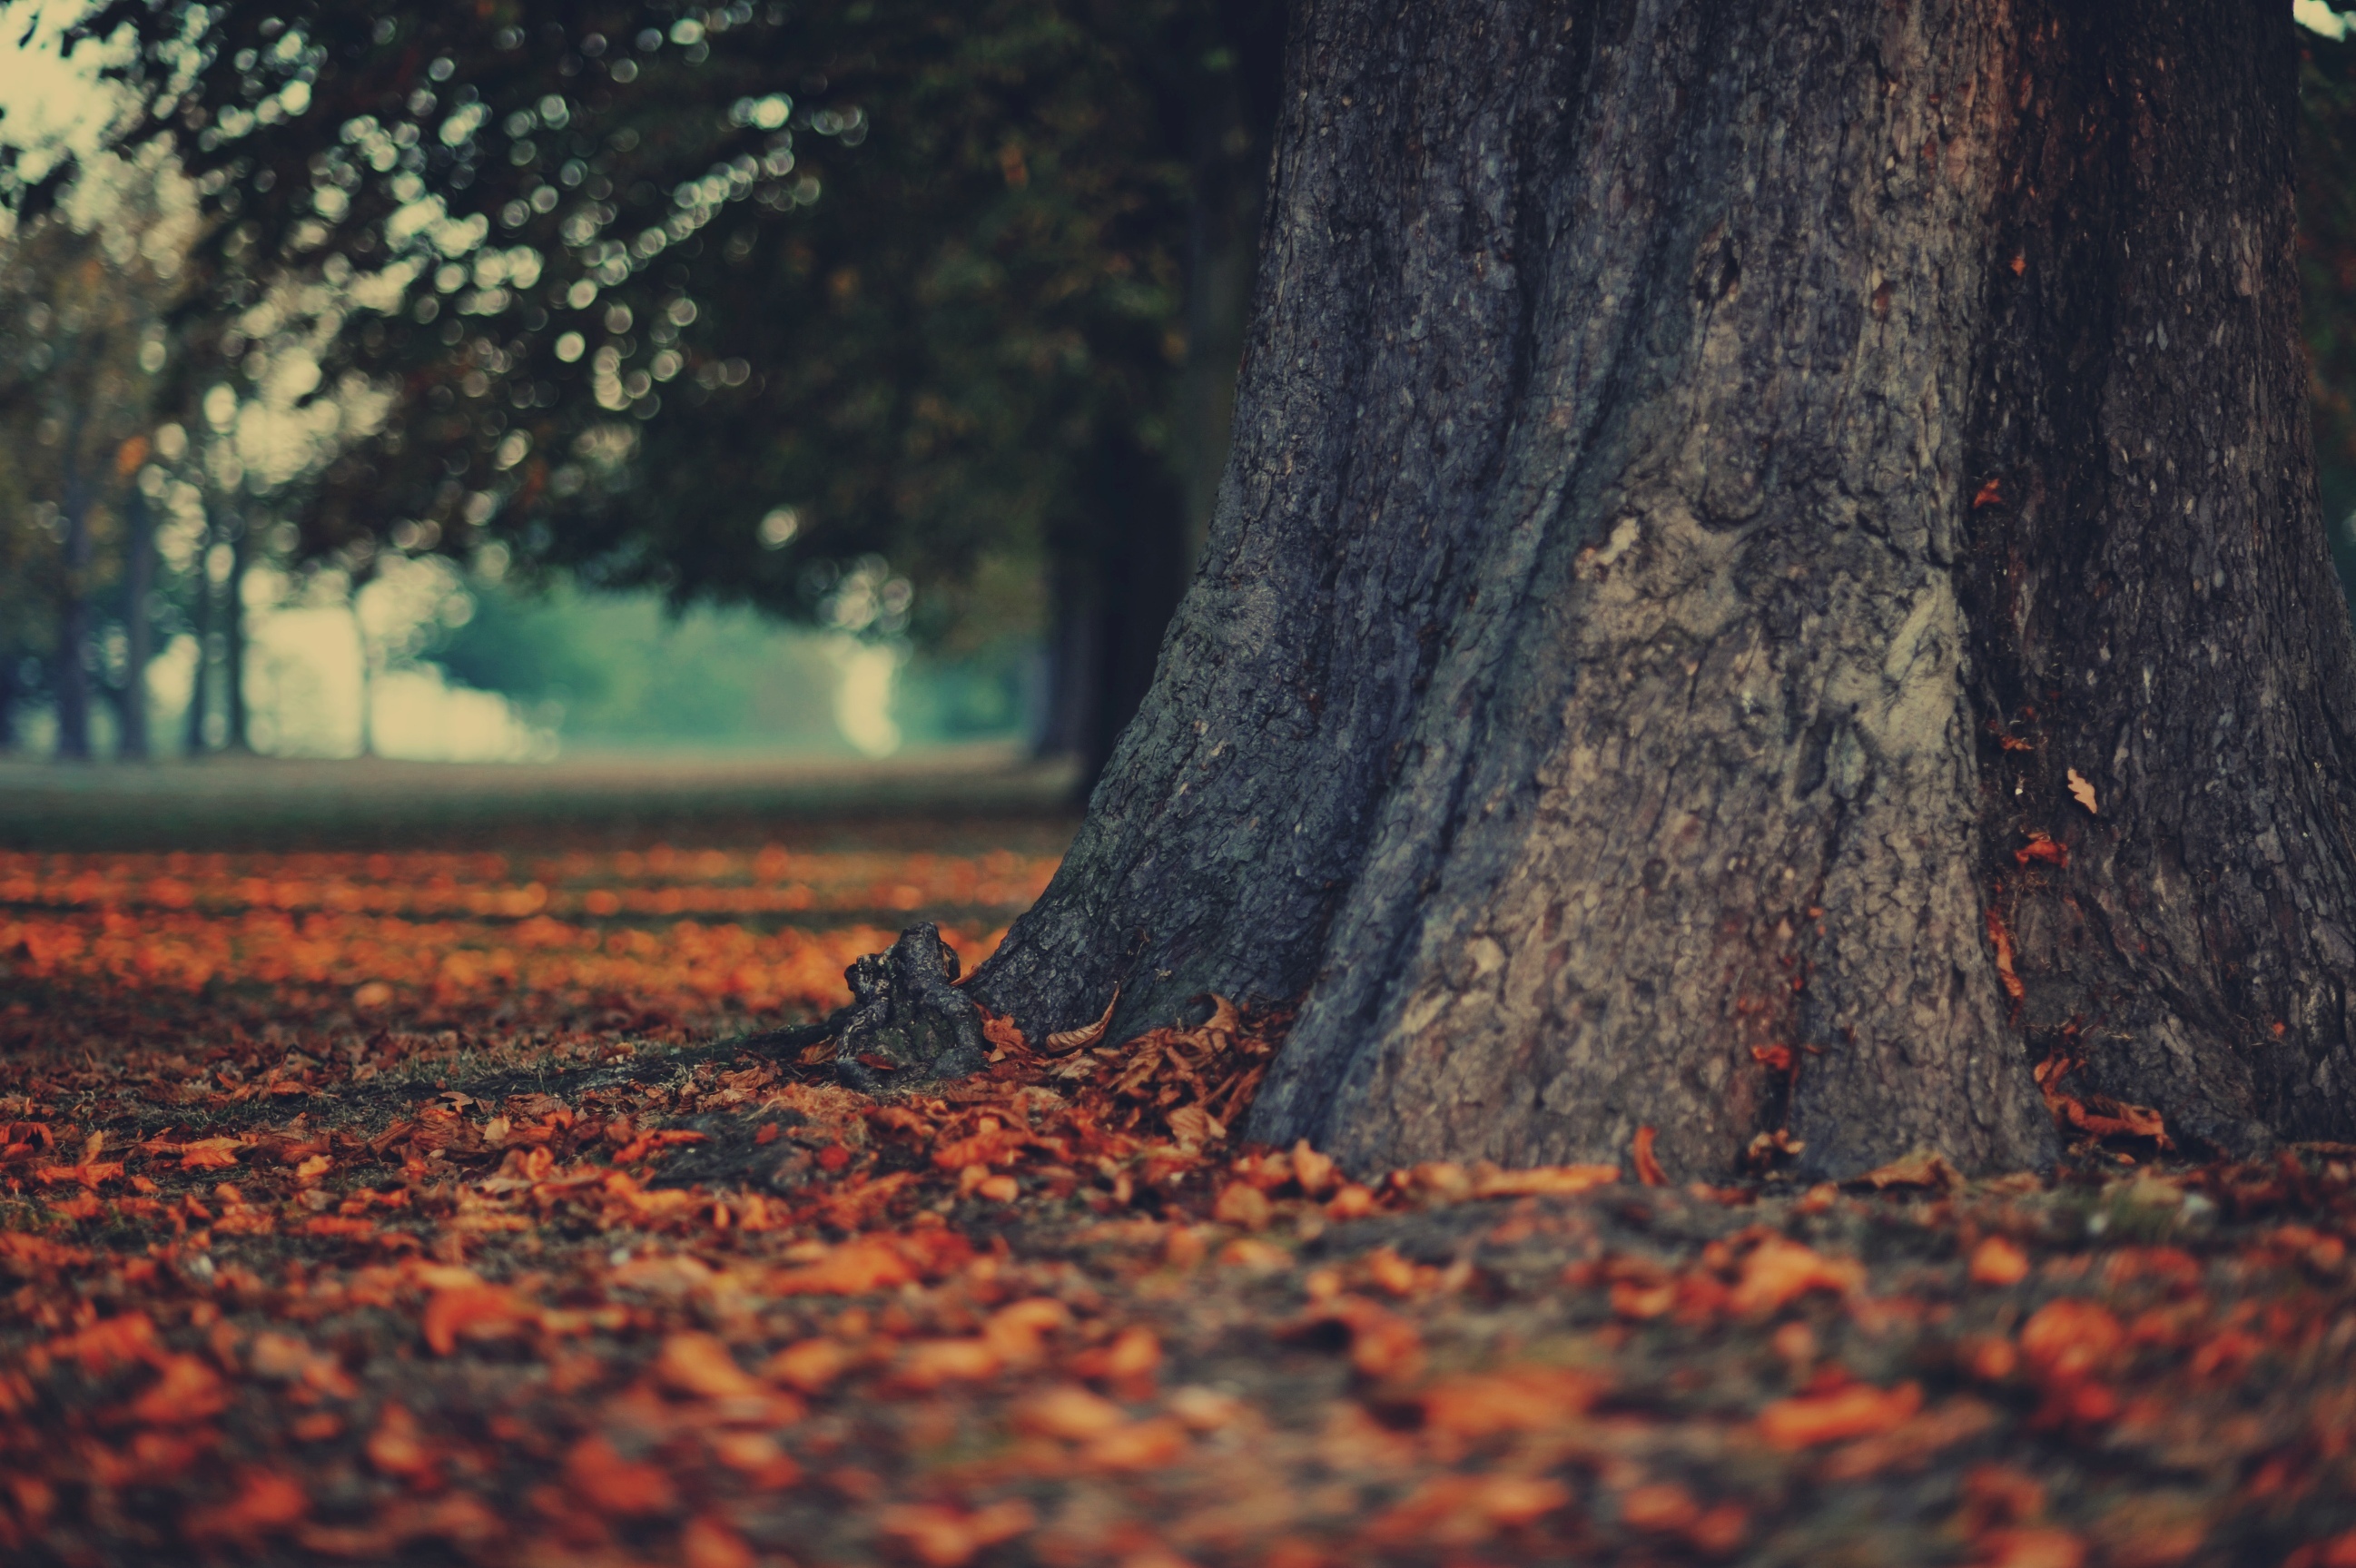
x=898, y=272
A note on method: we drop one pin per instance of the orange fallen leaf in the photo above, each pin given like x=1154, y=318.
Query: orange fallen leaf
x=1460, y=1510
x=855, y=1268
x=1069, y=1412
x=1242, y=1204
x=710, y=1543
x=1544, y=1180
x=698, y=1364
x=1780, y=1271
x=2000, y=937
x=811, y=1364
x=476, y=1310
x=188, y=1391
x=1382, y=1345
x=942, y=1536
x=1015, y=1332
x=2071, y=1338
x=1518, y=1398
x=2042, y=1546
x=1998, y=1261
x=602, y=1480
x=1990, y=494
x=266, y=1501
x=2041, y=848
x=1659, y=1508
x=1648, y=1169
x=1316, y=1174
x=929, y=1363
x=1137, y=1445
x=210, y=1154
x=397, y=1448
x=1859, y=1409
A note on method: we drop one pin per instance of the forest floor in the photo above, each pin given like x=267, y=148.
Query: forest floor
x=426, y=1204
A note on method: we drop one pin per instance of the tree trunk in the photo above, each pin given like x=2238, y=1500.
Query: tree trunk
x=12, y=693
x=193, y=741
x=138, y=625
x=240, y=532
x=72, y=682
x=1705, y=477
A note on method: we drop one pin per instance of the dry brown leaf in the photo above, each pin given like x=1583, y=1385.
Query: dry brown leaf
x=1064, y=1040
x=2082, y=791
x=1923, y=1167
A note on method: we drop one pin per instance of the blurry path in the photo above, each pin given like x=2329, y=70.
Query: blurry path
x=273, y=804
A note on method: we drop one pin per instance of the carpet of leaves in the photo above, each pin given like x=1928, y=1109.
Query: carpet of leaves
x=418, y=1208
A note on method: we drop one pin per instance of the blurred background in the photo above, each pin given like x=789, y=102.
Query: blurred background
x=533, y=383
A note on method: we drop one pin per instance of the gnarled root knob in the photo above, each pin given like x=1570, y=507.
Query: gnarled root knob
x=907, y=1025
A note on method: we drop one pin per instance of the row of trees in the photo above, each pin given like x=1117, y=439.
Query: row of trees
x=858, y=314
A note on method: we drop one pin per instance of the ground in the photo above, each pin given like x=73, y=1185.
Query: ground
x=453, y=1189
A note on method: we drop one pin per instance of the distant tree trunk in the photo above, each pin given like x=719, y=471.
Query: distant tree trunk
x=232, y=607
x=1711, y=479
x=72, y=682
x=193, y=740
x=139, y=625
x=12, y=693
x=1114, y=593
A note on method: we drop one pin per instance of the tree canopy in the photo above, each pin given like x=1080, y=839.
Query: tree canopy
x=733, y=303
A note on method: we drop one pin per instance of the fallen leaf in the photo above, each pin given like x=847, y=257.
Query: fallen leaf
x=2071, y=1338
x=811, y=1365
x=1065, y=1041
x=1859, y=1409
x=701, y=1364
x=1923, y=1167
x=602, y=1481
x=709, y=1542
x=187, y=1390
x=1069, y=1412
x=2041, y=848
x=2082, y=791
x=1998, y=1261
x=1648, y=1169
x=2039, y=1547
x=1242, y=1204
x=267, y=1502
x=1547, y=1181
x=1779, y=1270
x=2000, y=937
x=941, y=1536
x=477, y=1311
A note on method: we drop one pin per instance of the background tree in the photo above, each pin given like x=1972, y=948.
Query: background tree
x=1770, y=582
x=84, y=290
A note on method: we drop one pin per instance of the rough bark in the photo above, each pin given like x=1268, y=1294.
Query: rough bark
x=1589, y=682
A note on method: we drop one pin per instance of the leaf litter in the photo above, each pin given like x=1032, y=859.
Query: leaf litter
x=513, y=1265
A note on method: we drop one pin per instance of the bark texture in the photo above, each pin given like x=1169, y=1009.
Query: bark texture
x=1589, y=680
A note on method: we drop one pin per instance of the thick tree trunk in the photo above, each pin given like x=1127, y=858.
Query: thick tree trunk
x=1705, y=477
